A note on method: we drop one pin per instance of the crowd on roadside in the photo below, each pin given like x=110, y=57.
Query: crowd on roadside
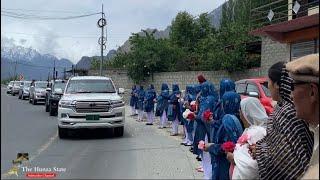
x=236, y=139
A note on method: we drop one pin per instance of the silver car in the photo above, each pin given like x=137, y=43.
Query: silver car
x=24, y=90
x=9, y=87
x=37, y=92
x=16, y=87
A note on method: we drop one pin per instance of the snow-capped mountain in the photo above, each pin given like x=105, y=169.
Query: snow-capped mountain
x=30, y=63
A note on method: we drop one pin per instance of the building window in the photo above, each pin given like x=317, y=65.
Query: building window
x=300, y=49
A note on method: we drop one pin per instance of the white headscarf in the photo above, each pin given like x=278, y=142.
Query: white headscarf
x=253, y=111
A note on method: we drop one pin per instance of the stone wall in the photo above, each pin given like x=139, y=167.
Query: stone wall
x=121, y=79
x=272, y=52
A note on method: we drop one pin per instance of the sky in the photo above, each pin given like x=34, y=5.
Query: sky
x=75, y=38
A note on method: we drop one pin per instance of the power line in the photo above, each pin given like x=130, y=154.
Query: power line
x=37, y=17
x=46, y=36
x=53, y=11
x=32, y=65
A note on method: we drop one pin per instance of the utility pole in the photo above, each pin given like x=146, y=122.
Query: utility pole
x=54, y=70
x=64, y=73
x=15, y=71
x=101, y=43
x=102, y=40
x=72, y=70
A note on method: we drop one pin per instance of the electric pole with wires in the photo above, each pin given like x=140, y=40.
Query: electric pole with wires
x=102, y=40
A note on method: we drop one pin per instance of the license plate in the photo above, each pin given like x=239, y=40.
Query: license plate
x=92, y=117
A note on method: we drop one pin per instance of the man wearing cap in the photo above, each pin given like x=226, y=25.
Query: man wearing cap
x=305, y=93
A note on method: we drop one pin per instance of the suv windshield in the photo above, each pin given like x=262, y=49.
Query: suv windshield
x=59, y=85
x=266, y=91
x=41, y=84
x=90, y=86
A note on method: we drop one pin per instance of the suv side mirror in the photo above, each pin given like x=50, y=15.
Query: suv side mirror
x=253, y=94
x=121, y=91
x=48, y=89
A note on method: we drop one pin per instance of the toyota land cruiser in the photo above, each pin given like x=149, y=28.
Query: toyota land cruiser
x=90, y=102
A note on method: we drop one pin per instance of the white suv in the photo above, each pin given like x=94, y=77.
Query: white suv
x=90, y=102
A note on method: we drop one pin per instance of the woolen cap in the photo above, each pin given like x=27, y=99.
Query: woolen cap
x=305, y=69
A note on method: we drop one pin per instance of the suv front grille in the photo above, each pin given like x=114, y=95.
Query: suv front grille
x=89, y=106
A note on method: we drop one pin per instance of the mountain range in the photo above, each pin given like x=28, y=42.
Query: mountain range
x=30, y=63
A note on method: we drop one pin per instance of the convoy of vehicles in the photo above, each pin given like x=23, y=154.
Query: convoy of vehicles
x=82, y=102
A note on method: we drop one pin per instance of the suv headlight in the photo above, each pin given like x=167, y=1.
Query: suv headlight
x=117, y=103
x=67, y=104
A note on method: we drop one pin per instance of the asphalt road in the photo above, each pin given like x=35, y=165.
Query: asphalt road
x=144, y=152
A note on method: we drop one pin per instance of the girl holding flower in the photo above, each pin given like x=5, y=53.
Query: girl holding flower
x=254, y=117
x=225, y=128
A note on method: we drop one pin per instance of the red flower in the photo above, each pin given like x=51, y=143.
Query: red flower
x=191, y=116
x=207, y=115
x=228, y=146
x=201, y=145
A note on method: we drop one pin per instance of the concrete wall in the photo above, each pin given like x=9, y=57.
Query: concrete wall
x=272, y=52
x=121, y=79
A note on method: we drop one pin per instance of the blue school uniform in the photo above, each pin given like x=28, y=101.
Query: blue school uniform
x=226, y=127
x=150, y=95
x=162, y=100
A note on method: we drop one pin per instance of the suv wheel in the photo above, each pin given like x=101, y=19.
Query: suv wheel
x=63, y=133
x=118, y=131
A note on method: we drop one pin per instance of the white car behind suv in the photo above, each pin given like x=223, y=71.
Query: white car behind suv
x=90, y=102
